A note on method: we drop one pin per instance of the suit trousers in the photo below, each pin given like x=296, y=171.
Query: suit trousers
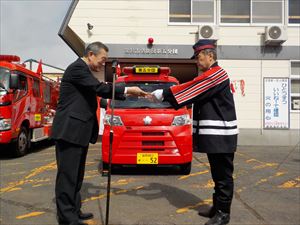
x=70, y=160
x=221, y=166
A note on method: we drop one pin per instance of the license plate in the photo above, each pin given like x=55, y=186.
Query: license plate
x=147, y=158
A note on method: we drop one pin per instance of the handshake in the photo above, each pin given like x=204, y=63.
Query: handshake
x=155, y=96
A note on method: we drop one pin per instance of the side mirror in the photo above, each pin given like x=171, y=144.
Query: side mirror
x=2, y=86
x=14, y=81
x=103, y=103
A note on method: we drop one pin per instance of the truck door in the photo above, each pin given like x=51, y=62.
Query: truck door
x=21, y=113
x=21, y=103
x=36, y=103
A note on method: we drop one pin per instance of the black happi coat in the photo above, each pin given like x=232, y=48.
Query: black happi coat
x=214, y=117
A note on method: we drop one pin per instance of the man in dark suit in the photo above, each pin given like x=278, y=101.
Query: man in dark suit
x=75, y=126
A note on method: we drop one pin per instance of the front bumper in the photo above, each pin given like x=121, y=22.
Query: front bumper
x=175, y=148
x=5, y=137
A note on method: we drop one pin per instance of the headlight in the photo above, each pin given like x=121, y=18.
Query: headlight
x=5, y=124
x=181, y=120
x=116, y=120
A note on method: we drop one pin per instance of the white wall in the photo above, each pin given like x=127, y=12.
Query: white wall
x=249, y=107
x=133, y=21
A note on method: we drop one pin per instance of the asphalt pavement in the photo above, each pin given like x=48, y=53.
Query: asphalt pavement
x=267, y=189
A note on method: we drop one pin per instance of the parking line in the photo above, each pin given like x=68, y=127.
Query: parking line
x=193, y=174
x=32, y=214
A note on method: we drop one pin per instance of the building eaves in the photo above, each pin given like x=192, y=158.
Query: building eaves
x=68, y=35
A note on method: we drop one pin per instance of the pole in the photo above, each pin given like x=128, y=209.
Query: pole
x=111, y=136
x=45, y=64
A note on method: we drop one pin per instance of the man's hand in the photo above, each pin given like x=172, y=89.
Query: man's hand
x=136, y=91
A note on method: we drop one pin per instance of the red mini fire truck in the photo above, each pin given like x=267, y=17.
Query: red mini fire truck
x=27, y=104
x=146, y=132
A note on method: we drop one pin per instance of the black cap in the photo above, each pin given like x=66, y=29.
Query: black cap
x=203, y=44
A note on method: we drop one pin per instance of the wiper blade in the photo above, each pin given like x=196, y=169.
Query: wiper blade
x=143, y=107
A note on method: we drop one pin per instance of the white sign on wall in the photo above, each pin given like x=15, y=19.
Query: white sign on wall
x=276, y=103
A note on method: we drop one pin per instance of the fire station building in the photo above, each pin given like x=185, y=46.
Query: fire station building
x=258, y=43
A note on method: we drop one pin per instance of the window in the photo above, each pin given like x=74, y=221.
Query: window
x=137, y=103
x=295, y=86
x=294, y=11
x=264, y=12
x=252, y=11
x=4, y=80
x=235, y=11
x=192, y=11
x=180, y=11
x=203, y=11
x=267, y=11
x=47, y=93
x=36, y=88
x=22, y=90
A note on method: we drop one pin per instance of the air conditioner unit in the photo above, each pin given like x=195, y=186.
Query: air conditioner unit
x=275, y=35
x=208, y=32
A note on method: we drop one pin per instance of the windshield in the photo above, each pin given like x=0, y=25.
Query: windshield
x=4, y=80
x=143, y=103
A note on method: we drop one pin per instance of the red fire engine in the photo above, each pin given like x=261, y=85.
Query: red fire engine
x=27, y=105
x=147, y=132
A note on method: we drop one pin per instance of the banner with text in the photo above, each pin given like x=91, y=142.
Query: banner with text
x=276, y=103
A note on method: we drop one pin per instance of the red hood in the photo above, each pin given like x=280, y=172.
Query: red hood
x=158, y=117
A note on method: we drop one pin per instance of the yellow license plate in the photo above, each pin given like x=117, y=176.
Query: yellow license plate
x=147, y=158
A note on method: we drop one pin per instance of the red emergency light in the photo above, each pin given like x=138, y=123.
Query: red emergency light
x=10, y=58
x=150, y=40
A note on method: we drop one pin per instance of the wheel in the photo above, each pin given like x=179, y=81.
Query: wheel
x=185, y=169
x=22, y=143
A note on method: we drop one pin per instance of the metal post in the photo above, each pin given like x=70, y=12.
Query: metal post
x=111, y=136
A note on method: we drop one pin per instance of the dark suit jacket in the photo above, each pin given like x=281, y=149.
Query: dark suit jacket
x=75, y=120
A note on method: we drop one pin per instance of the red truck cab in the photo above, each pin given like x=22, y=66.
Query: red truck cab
x=146, y=132
x=27, y=104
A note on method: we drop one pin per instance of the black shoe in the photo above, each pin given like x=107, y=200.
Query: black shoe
x=85, y=216
x=207, y=212
x=220, y=218
x=82, y=223
x=72, y=223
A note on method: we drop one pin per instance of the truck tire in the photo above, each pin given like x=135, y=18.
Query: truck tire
x=22, y=143
x=185, y=169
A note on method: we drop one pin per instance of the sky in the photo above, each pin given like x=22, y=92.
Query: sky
x=29, y=29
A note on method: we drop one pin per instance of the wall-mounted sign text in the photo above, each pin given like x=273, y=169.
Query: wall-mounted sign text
x=151, y=51
x=276, y=103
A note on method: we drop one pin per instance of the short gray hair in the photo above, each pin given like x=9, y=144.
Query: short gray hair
x=210, y=50
x=95, y=48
